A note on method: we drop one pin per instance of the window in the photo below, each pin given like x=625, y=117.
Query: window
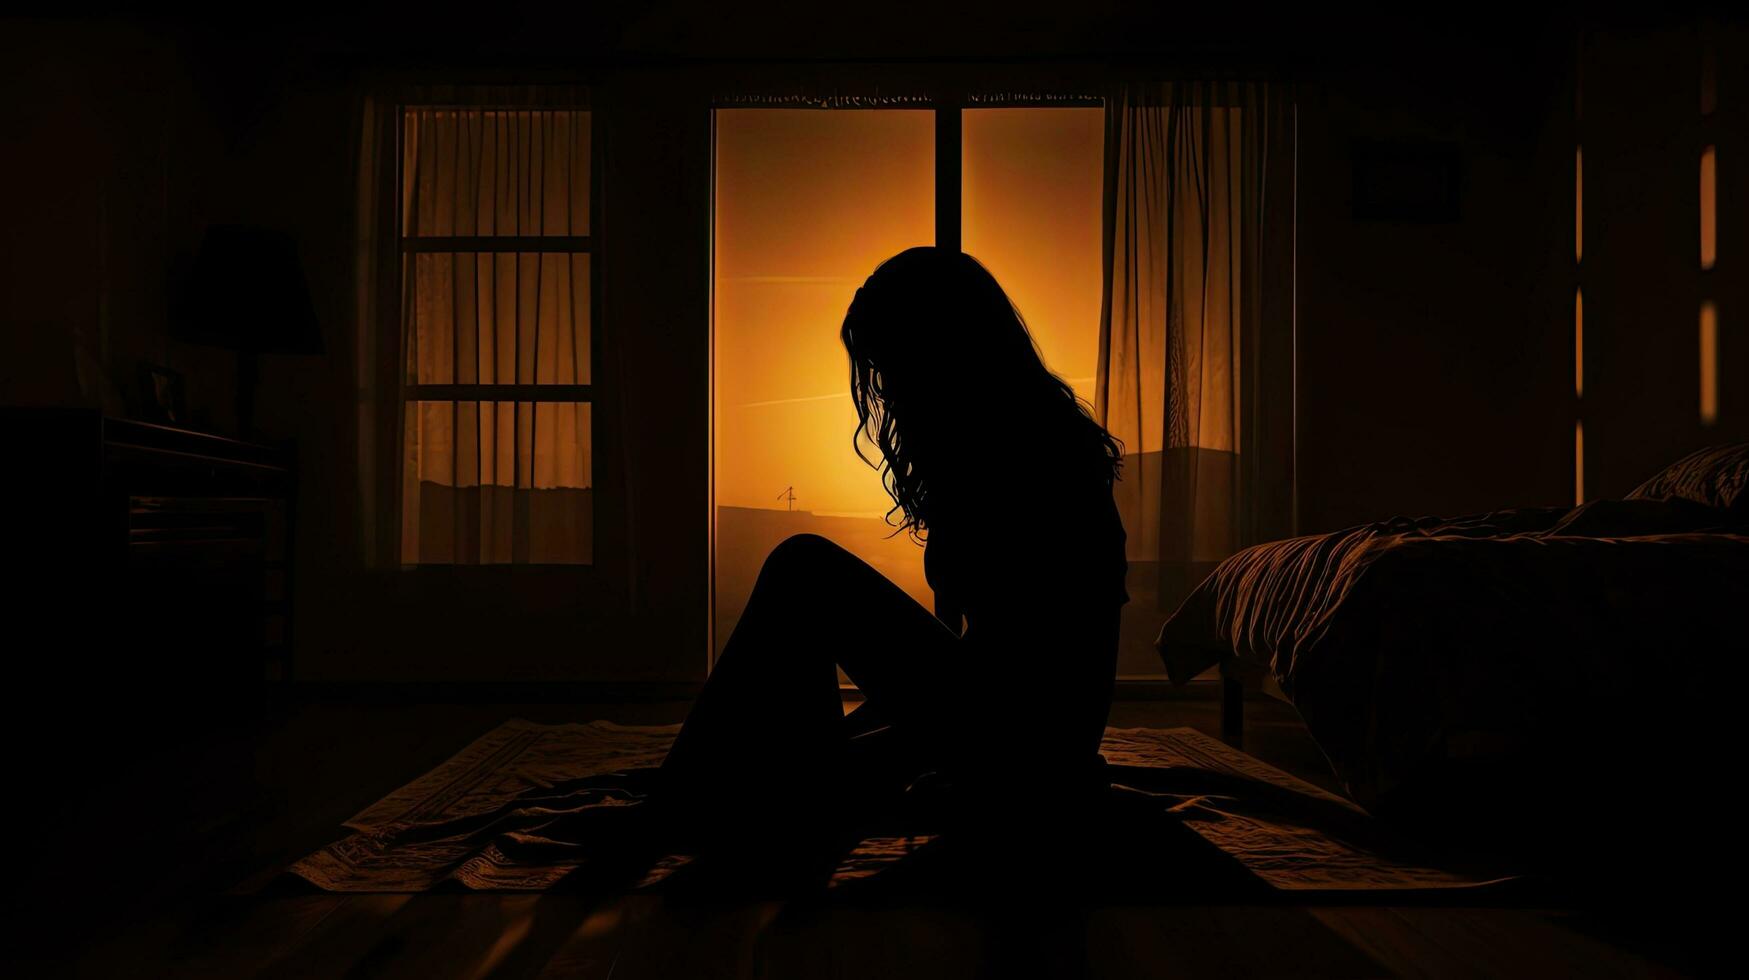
x=1709, y=231
x=807, y=202
x=494, y=221
x=1033, y=198
x=1709, y=362
x=1578, y=299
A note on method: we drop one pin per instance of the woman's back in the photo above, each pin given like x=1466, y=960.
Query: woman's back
x=1038, y=570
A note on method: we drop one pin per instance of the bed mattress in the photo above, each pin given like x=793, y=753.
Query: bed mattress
x=1410, y=644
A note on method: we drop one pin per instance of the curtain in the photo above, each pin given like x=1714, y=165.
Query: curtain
x=377, y=372
x=1195, y=368
x=493, y=475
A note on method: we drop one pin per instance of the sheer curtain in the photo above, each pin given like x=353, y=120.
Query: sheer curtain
x=496, y=446
x=1195, y=368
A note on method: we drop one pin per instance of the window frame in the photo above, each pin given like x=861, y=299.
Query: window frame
x=405, y=247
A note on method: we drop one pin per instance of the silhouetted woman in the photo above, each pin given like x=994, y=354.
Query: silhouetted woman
x=992, y=461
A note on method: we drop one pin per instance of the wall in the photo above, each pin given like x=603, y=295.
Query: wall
x=1642, y=131
x=1434, y=371
x=1435, y=361
x=127, y=139
x=100, y=178
x=639, y=613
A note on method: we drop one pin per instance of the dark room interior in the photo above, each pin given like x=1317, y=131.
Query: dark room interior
x=476, y=469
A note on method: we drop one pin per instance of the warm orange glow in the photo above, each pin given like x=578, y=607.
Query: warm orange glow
x=1578, y=463
x=1031, y=206
x=808, y=202
x=495, y=172
x=1709, y=220
x=1709, y=363
x=488, y=479
x=1579, y=343
x=464, y=466
x=1579, y=204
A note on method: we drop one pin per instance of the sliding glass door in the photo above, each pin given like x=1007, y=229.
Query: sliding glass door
x=1031, y=206
x=807, y=202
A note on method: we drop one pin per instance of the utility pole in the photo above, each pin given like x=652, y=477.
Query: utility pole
x=789, y=492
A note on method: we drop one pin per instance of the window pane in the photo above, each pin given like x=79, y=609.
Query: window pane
x=505, y=318
x=1578, y=343
x=1709, y=363
x=1032, y=203
x=495, y=172
x=1578, y=463
x=808, y=202
x=497, y=482
x=1709, y=208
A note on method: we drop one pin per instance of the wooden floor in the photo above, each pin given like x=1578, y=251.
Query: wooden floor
x=150, y=880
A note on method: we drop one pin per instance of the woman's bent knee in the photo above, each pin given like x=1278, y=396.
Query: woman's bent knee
x=804, y=551
x=807, y=560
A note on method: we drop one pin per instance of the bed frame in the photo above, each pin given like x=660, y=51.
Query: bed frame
x=1236, y=680
x=1232, y=708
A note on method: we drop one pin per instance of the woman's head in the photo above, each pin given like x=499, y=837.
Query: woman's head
x=946, y=380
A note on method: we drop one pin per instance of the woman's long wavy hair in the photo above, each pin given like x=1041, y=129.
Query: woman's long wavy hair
x=941, y=365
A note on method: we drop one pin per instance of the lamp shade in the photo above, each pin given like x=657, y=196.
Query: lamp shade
x=246, y=291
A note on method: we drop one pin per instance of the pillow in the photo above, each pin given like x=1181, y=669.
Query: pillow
x=1717, y=476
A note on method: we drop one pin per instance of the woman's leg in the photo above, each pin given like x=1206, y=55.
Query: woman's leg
x=767, y=731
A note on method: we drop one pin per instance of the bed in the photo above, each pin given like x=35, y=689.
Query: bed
x=1439, y=658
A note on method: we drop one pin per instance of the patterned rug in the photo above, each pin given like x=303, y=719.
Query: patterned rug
x=492, y=817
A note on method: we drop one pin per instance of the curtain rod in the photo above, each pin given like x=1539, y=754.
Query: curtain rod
x=974, y=100
x=797, y=100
